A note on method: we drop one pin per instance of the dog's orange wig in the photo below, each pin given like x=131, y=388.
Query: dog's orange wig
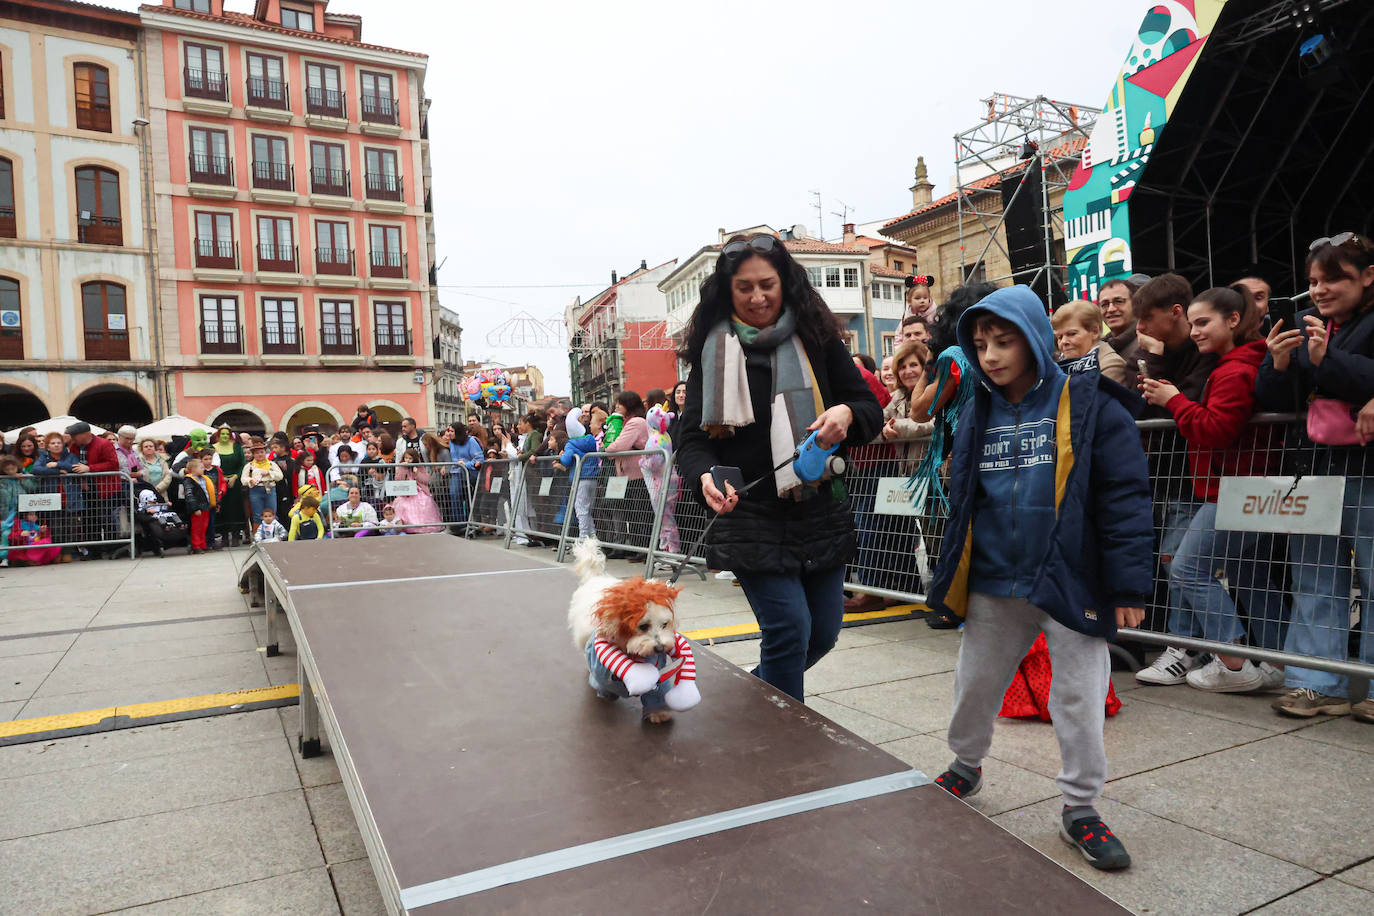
x=622, y=605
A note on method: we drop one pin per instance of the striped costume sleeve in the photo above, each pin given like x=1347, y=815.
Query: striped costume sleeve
x=683, y=649
x=610, y=656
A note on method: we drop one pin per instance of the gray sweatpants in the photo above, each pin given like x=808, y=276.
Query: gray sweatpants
x=997, y=634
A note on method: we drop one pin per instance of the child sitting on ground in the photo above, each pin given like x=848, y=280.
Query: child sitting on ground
x=1053, y=530
x=269, y=530
x=391, y=523
x=34, y=537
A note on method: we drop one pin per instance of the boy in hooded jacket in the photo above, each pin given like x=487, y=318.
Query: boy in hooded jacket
x=1051, y=531
x=582, y=441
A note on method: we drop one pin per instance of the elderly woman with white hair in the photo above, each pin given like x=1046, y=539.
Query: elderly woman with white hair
x=129, y=462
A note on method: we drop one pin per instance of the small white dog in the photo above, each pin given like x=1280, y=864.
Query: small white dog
x=628, y=630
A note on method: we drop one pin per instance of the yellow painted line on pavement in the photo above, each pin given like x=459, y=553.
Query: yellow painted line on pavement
x=136, y=711
x=745, y=629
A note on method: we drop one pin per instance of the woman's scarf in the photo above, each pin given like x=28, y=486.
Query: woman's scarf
x=727, y=406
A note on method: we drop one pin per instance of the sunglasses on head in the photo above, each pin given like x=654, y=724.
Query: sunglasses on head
x=1344, y=238
x=761, y=244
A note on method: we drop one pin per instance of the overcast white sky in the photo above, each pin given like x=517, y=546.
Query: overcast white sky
x=572, y=138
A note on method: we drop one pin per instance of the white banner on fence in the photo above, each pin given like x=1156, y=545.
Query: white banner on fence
x=402, y=488
x=40, y=502
x=1273, y=504
x=496, y=483
x=895, y=497
x=546, y=486
x=615, y=487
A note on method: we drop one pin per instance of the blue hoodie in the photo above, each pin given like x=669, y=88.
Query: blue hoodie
x=1014, y=509
x=582, y=445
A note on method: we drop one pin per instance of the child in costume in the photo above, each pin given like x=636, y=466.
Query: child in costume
x=582, y=442
x=269, y=530
x=260, y=478
x=34, y=542
x=656, y=475
x=201, y=497
x=306, y=522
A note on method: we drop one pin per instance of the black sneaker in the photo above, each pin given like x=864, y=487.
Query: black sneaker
x=1097, y=843
x=942, y=620
x=957, y=785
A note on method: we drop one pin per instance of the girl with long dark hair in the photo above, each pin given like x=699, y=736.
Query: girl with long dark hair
x=769, y=366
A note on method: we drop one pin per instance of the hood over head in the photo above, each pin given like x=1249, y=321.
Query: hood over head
x=1023, y=308
x=575, y=428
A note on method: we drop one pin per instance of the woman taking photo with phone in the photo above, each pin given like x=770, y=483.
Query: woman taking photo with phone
x=769, y=367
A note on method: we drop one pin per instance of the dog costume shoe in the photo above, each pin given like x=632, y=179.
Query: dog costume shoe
x=662, y=680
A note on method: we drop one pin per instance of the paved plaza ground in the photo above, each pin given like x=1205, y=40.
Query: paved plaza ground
x=1225, y=806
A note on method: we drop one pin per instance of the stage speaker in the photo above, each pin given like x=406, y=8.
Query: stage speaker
x=1024, y=226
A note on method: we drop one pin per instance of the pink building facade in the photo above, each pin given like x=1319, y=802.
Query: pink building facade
x=292, y=204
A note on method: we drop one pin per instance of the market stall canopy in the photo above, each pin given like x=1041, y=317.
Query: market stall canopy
x=51, y=425
x=169, y=427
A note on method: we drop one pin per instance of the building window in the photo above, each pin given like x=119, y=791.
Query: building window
x=97, y=202
x=9, y=228
x=813, y=274
x=195, y=6
x=379, y=98
x=297, y=19
x=387, y=258
x=271, y=165
x=205, y=73
x=92, y=97
x=280, y=328
x=889, y=343
x=383, y=182
x=327, y=172
x=851, y=341
x=389, y=329
x=876, y=290
x=106, y=318
x=897, y=265
x=832, y=278
x=2, y=86
x=338, y=332
x=210, y=162
x=266, y=81
x=851, y=278
x=215, y=241
x=974, y=273
x=11, y=320
x=333, y=254
x=276, y=244
x=324, y=91
x=220, y=331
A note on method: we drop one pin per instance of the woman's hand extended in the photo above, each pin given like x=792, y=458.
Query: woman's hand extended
x=833, y=425
x=1158, y=391
x=717, y=500
x=1282, y=343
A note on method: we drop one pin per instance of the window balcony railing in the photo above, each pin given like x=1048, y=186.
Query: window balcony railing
x=389, y=341
x=100, y=230
x=11, y=343
x=338, y=340
x=204, y=169
x=388, y=263
x=331, y=103
x=383, y=186
x=336, y=182
x=205, y=84
x=219, y=337
x=217, y=254
x=267, y=93
x=334, y=261
x=273, y=175
x=274, y=258
x=281, y=338
x=93, y=116
x=9, y=227
x=380, y=109
x=112, y=346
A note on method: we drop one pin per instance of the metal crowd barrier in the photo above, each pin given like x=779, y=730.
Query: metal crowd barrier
x=427, y=497
x=59, y=513
x=492, y=487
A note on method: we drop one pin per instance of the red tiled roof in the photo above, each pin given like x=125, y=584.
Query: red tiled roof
x=816, y=246
x=881, y=270
x=1064, y=151
x=75, y=7
x=248, y=21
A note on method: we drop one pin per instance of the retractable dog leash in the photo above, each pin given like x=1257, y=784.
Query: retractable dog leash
x=809, y=462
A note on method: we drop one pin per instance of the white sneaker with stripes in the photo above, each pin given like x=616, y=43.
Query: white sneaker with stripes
x=1171, y=667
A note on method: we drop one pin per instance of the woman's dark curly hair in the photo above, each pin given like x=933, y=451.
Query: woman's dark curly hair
x=942, y=335
x=816, y=324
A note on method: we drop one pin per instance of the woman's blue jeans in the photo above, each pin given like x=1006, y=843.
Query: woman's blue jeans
x=1200, y=602
x=1322, y=579
x=800, y=616
x=260, y=498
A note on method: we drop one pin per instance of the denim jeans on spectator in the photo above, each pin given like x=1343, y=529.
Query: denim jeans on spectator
x=260, y=498
x=800, y=616
x=1174, y=517
x=1202, y=558
x=1322, y=580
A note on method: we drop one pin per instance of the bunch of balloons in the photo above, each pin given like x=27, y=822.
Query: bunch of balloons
x=487, y=388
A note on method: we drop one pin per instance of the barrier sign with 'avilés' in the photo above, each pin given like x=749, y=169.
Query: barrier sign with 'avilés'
x=1275, y=504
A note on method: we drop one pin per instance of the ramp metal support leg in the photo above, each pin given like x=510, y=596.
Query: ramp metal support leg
x=310, y=715
x=273, y=614
x=256, y=587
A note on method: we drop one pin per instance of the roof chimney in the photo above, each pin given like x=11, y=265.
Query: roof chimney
x=614, y=278
x=921, y=190
x=849, y=233
x=643, y=264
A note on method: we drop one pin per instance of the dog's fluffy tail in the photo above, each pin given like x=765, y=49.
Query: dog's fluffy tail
x=588, y=559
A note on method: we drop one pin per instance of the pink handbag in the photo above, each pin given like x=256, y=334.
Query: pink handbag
x=1332, y=422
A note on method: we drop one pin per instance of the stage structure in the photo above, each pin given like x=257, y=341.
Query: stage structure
x=1012, y=170
x=1236, y=132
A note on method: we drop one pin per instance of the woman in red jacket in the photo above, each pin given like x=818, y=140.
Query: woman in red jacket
x=1221, y=444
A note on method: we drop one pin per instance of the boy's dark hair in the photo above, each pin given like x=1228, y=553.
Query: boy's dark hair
x=206, y=453
x=991, y=323
x=1162, y=292
x=961, y=299
x=909, y=320
x=309, y=502
x=267, y=509
x=867, y=361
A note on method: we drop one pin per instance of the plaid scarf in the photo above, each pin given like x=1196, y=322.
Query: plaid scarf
x=796, y=401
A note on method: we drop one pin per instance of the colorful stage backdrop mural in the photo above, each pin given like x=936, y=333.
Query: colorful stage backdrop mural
x=1097, y=203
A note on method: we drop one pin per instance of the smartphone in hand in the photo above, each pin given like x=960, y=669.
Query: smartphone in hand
x=727, y=479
